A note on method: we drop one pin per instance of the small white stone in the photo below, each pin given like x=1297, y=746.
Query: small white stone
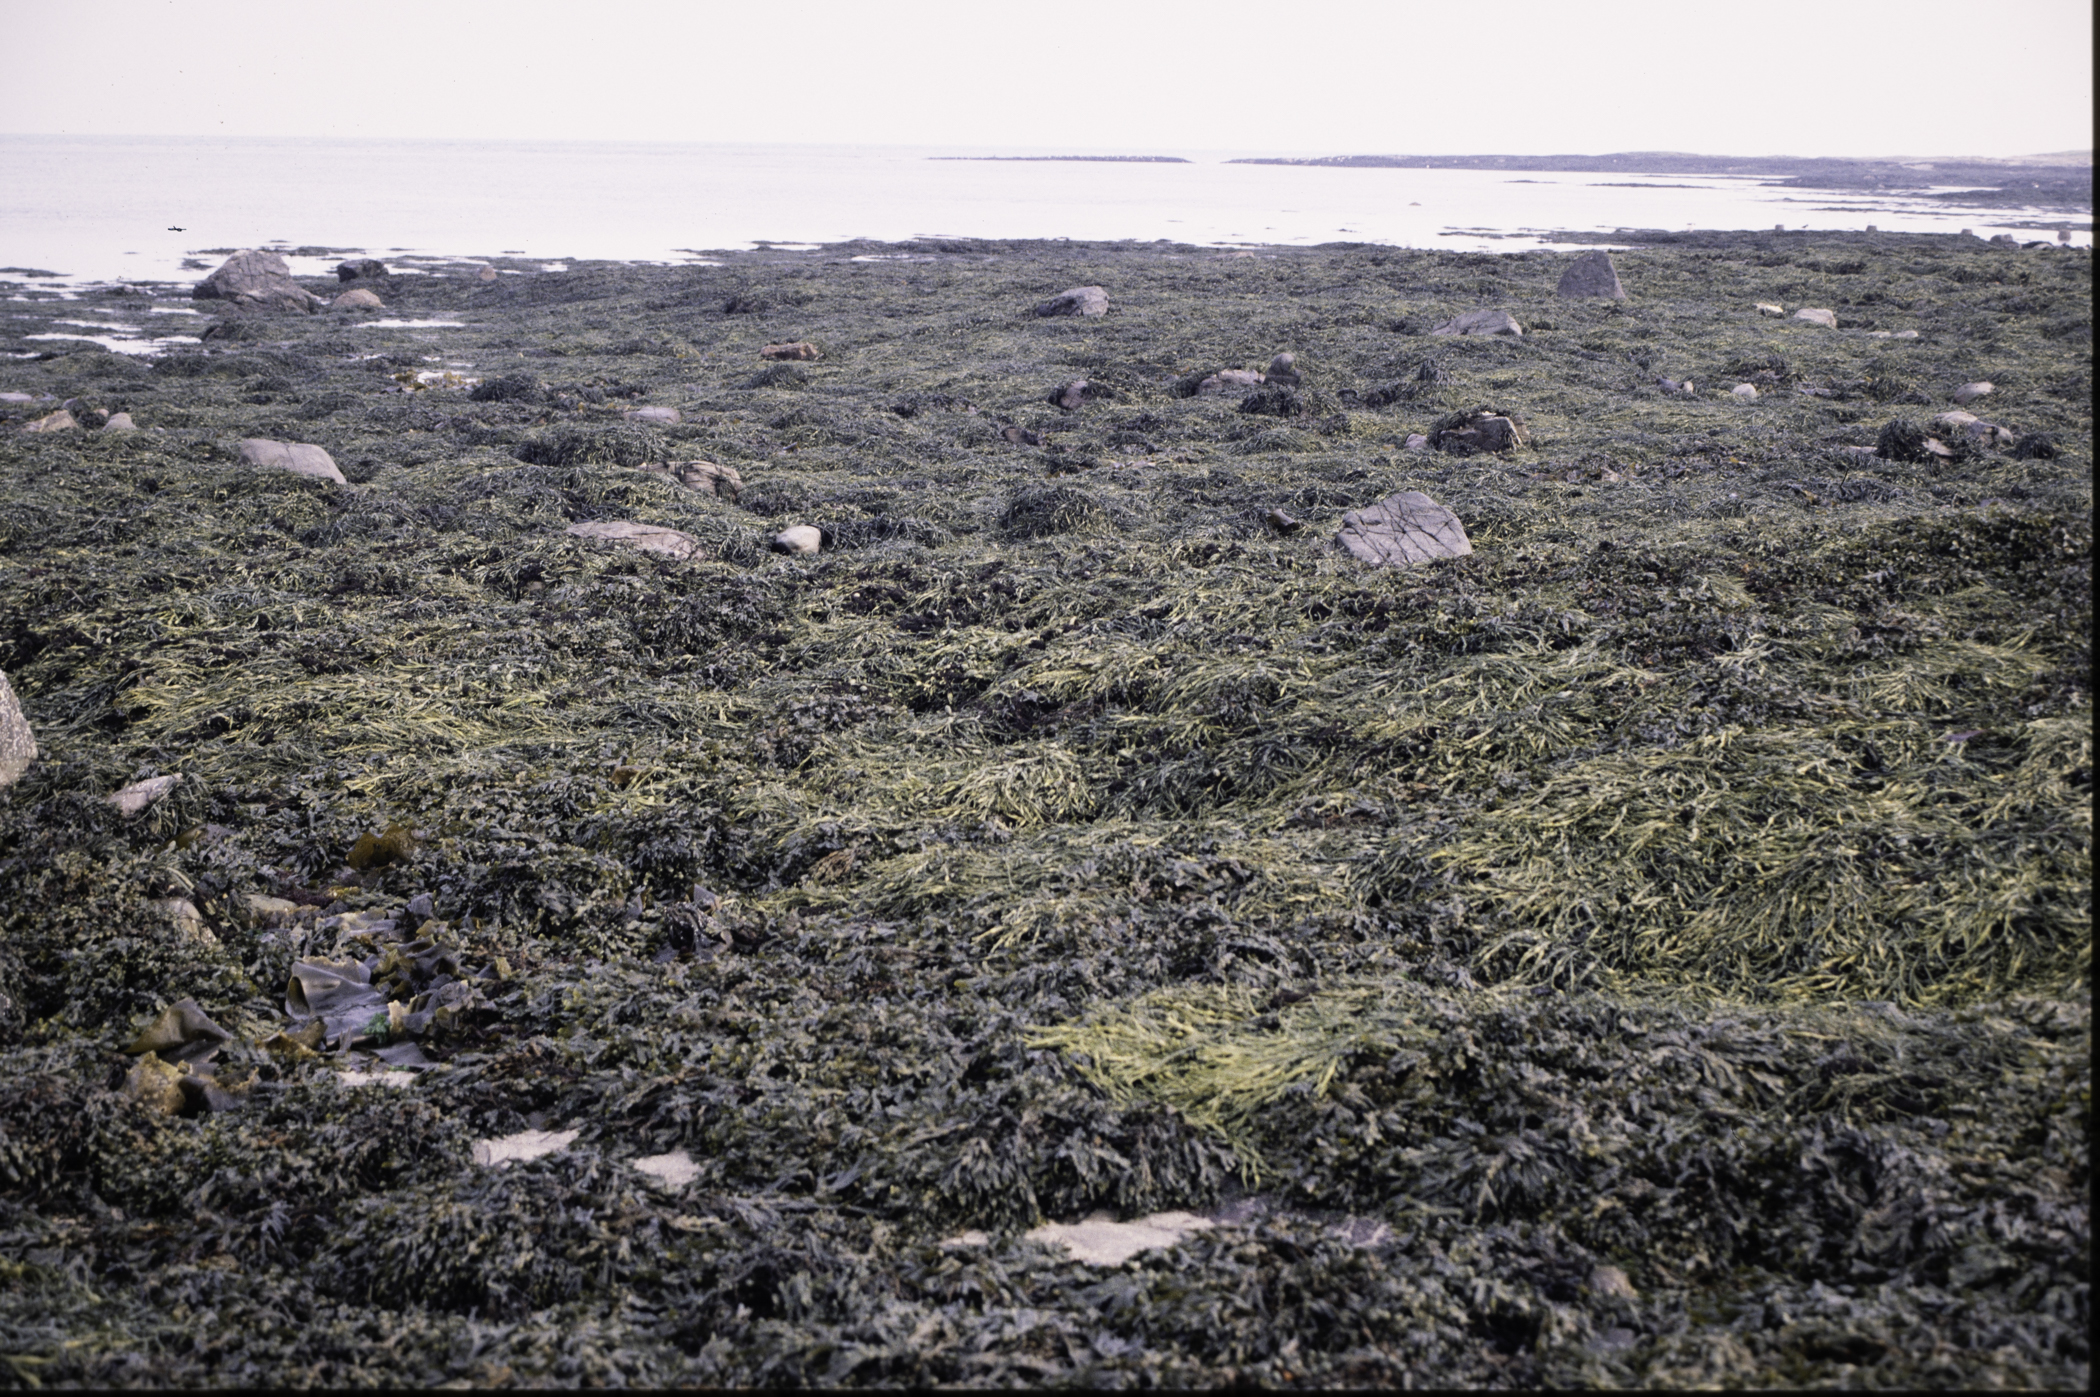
x=1767, y=308
x=1816, y=315
x=526, y=1144
x=1746, y=391
x=379, y=1079
x=675, y=1169
x=140, y=794
x=1100, y=1240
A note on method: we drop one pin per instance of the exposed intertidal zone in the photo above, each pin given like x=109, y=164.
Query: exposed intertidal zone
x=764, y=784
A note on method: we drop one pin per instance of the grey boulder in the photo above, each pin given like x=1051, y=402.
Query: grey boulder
x=1079, y=300
x=799, y=538
x=1816, y=315
x=1283, y=369
x=1592, y=274
x=723, y=482
x=366, y=269
x=17, y=742
x=258, y=279
x=1403, y=529
x=357, y=298
x=1480, y=322
x=1230, y=381
x=301, y=458
x=1482, y=429
x=650, y=538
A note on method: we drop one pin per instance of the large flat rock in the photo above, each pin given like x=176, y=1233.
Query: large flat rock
x=1403, y=529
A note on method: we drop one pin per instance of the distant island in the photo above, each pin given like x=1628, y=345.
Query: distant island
x=2061, y=180
x=1097, y=159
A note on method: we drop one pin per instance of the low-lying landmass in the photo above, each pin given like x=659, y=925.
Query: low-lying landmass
x=2059, y=181
x=495, y=918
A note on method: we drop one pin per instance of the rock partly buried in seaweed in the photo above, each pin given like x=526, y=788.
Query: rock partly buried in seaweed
x=60, y=421
x=653, y=416
x=301, y=458
x=1403, y=529
x=793, y=349
x=1767, y=308
x=120, y=422
x=525, y=1145
x=1817, y=315
x=1672, y=388
x=1099, y=1240
x=1053, y=509
x=650, y=538
x=17, y=741
x=1746, y=391
x=1283, y=369
x=257, y=279
x=1021, y=436
x=1902, y=440
x=1970, y=392
x=509, y=388
x=362, y=269
x=1480, y=322
x=140, y=794
x=1074, y=393
x=798, y=538
x=1079, y=300
x=357, y=298
x=723, y=482
x=1592, y=274
x=1478, y=430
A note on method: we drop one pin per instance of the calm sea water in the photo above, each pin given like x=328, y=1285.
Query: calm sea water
x=106, y=208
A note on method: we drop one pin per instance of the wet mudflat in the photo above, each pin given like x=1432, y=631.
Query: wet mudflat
x=1648, y=949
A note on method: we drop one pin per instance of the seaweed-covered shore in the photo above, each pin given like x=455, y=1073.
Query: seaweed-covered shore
x=1651, y=950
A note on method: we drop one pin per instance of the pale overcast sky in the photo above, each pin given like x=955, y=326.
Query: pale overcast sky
x=1792, y=77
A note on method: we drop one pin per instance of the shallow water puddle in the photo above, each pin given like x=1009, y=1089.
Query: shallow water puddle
x=675, y=1169
x=1100, y=1240
x=526, y=1144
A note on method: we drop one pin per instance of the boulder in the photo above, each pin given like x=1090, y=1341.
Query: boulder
x=1592, y=274
x=258, y=279
x=1021, y=436
x=120, y=422
x=1767, y=308
x=1403, y=529
x=1070, y=396
x=650, y=538
x=1970, y=392
x=1482, y=429
x=17, y=742
x=793, y=349
x=1480, y=322
x=1816, y=315
x=60, y=421
x=1283, y=369
x=357, y=298
x=1416, y=441
x=1079, y=300
x=301, y=458
x=1746, y=391
x=487, y=274
x=1230, y=381
x=1672, y=388
x=365, y=269
x=800, y=538
x=653, y=416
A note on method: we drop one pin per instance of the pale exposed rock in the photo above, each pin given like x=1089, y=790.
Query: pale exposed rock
x=140, y=794
x=264, y=910
x=60, y=421
x=382, y=1078
x=486, y=274
x=674, y=1170
x=1477, y=431
x=1100, y=1240
x=301, y=458
x=17, y=742
x=1079, y=300
x=258, y=279
x=1069, y=396
x=1592, y=274
x=525, y=1145
x=799, y=538
x=357, y=298
x=1403, y=529
x=1283, y=369
x=966, y=1239
x=1816, y=315
x=1480, y=322
x=1892, y=334
x=1746, y=391
x=793, y=349
x=1416, y=441
x=1954, y=419
x=188, y=922
x=650, y=538
x=1970, y=392
x=655, y=416
x=1611, y=1283
x=1675, y=389
x=120, y=422
x=1767, y=308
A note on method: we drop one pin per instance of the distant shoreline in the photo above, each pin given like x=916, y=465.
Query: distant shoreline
x=2062, y=181
x=1084, y=159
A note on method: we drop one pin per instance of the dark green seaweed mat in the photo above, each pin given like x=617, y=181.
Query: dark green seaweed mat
x=1692, y=886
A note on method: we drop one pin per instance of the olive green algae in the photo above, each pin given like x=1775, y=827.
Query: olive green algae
x=1689, y=887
